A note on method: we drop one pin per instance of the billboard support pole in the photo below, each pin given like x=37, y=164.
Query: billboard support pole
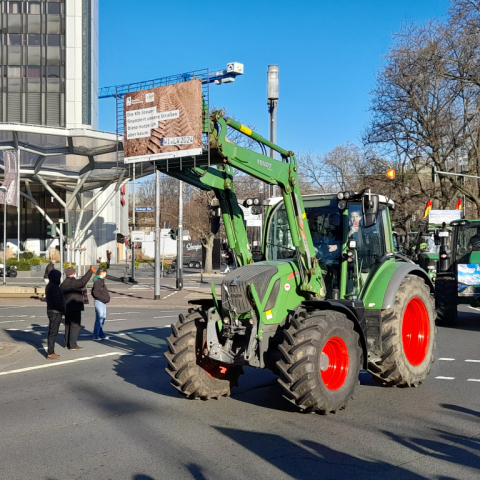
x=180, y=237
x=157, y=235
x=132, y=243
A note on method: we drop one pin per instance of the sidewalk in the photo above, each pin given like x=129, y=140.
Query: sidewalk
x=170, y=299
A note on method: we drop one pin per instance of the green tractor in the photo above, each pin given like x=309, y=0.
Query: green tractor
x=458, y=272
x=423, y=249
x=328, y=297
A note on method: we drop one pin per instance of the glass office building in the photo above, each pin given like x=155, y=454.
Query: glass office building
x=49, y=62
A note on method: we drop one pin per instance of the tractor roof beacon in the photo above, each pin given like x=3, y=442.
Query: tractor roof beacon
x=328, y=298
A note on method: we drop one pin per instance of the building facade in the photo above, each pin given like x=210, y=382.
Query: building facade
x=49, y=86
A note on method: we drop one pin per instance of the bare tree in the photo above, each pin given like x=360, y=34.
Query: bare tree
x=426, y=104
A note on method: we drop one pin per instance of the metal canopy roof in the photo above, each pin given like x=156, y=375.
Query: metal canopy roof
x=67, y=155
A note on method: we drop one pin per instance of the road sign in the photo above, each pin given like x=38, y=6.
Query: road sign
x=144, y=209
x=138, y=236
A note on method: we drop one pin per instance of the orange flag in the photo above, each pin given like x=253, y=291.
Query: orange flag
x=458, y=206
x=428, y=207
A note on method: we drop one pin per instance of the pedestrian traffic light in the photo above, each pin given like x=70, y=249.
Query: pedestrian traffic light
x=52, y=230
x=174, y=233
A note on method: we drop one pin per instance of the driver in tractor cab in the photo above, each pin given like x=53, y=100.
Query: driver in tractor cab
x=474, y=243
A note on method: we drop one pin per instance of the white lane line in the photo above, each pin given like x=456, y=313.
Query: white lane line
x=27, y=330
x=167, y=316
x=473, y=361
x=11, y=321
x=445, y=378
x=138, y=331
x=139, y=355
x=121, y=313
x=447, y=359
x=155, y=356
x=64, y=362
x=473, y=379
x=116, y=320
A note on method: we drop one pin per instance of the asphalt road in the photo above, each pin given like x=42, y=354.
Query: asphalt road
x=108, y=412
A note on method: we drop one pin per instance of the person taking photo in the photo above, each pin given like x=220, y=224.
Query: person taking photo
x=102, y=297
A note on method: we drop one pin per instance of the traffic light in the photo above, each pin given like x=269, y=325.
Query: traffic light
x=52, y=230
x=174, y=233
x=68, y=231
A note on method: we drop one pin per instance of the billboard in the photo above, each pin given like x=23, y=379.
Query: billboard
x=163, y=122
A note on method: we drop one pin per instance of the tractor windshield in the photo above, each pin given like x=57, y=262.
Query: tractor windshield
x=324, y=220
x=468, y=238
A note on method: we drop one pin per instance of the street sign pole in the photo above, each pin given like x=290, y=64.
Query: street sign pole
x=60, y=226
x=180, y=237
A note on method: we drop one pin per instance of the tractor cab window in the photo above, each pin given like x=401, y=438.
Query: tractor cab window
x=370, y=242
x=468, y=239
x=325, y=224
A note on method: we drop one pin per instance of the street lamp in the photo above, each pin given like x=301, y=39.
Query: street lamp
x=4, y=189
x=272, y=100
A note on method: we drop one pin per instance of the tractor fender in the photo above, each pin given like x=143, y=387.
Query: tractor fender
x=350, y=313
x=397, y=278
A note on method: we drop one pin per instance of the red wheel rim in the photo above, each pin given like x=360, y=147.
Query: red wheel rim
x=214, y=370
x=334, y=362
x=415, y=331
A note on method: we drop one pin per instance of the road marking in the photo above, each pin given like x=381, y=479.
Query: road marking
x=64, y=362
x=155, y=356
x=117, y=320
x=11, y=321
x=445, y=378
x=473, y=379
x=124, y=313
x=473, y=361
x=447, y=359
x=173, y=293
x=168, y=316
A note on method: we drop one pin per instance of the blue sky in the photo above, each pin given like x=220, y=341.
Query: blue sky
x=328, y=52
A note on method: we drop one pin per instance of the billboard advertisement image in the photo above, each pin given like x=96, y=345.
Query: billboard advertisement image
x=469, y=280
x=163, y=122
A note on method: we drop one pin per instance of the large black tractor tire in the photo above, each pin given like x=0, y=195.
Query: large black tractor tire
x=408, y=337
x=193, y=374
x=320, y=361
x=446, y=300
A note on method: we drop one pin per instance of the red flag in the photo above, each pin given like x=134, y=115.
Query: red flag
x=428, y=207
x=458, y=206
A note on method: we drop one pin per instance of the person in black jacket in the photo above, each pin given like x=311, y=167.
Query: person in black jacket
x=50, y=267
x=102, y=297
x=55, y=309
x=72, y=289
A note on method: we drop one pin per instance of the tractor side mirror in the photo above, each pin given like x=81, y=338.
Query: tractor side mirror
x=370, y=210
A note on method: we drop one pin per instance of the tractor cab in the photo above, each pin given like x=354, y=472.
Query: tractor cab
x=347, y=250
